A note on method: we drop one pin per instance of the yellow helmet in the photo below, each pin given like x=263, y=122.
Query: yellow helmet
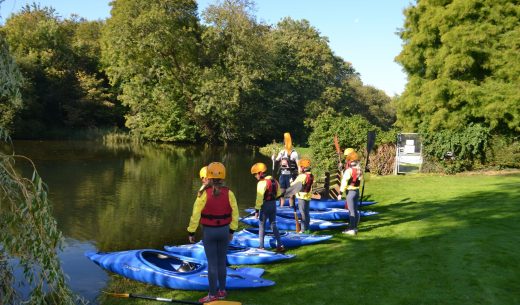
x=258, y=168
x=348, y=151
x=203, y=172
x=216, y=170
x=304, y=163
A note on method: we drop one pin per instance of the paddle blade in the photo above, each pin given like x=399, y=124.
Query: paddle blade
x=298, y=228
x=287, y=142
x=293, y=189
x=118, y=295
x=371, y=140
x=336, y=144
x=223, y=303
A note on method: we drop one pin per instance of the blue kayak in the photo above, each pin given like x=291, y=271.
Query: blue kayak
x=249, y=238
x=289, y=224
x=325, y=214
x=237, y=255
x=165, y=269
x=321, y=204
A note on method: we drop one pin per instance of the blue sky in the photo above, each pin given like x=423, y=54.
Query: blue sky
x=362, y=32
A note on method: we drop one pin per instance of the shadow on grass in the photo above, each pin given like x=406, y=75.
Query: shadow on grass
x=460, y=251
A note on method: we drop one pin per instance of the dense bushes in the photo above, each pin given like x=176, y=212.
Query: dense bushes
x=459, y=150
x=352, y=132
x=469, y=149
x=503, y=152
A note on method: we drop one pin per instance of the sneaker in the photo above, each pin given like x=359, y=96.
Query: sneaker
x=208, y=298
x=221, y=294
x=280, y=249
x=301, y=231
x=350, y=232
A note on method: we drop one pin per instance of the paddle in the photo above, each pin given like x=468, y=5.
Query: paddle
x=291, y=191
x=371, y=140
x=298, y=227
x=137, y=296
x=272, y=159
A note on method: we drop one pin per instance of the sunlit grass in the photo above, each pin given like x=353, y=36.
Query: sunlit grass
x=437, y=240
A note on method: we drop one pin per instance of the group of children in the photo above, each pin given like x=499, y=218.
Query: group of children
x=217, y=210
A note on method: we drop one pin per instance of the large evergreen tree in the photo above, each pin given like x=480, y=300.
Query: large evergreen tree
x=463, y=63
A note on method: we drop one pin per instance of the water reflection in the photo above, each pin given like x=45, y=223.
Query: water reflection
x=127, y=196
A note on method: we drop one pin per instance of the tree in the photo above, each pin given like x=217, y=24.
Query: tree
x=95, y=104
x=236, y=61
x=150, y=50
x=351, y=131
x=60, y=60
x=28, y=231
x=40, y=46
x=463, y=65
x=307, y=79
x=10, y=82
x=371, y=103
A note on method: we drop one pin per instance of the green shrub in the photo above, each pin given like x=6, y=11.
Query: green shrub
x=351, y=131
x=457, y=150
x=503, y=152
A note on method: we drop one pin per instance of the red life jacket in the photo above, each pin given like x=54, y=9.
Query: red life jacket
x=309, y=179
x=270, y=190
x=217, y=211
x=354, y=177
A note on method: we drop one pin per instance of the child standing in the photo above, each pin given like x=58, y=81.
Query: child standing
x=267, y=190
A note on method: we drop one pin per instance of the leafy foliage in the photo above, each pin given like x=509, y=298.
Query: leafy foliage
x=227, y=79
x=29, y=233
x=236, y=62
x=351, y=131
x=10, y=82
x=503, y=152
x=233, y=79
x=463, y=66
x=59, y=59
x=458, y=150
x=150, y=50
x=371, y=103
x=306, y=78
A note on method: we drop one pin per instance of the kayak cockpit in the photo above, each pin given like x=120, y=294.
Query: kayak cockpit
x=168, y=262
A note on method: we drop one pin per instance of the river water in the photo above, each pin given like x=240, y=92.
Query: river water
x=112, y=197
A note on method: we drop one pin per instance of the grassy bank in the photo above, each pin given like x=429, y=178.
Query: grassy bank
x=437, y=240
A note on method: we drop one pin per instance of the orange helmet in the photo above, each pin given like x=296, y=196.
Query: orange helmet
x=203, y=172
x=258, y=168
x=216, y=170
x=306, y=163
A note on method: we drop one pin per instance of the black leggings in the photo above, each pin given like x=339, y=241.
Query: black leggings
x=216, y=240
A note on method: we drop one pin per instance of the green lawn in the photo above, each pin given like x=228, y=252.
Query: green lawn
x=437, y=240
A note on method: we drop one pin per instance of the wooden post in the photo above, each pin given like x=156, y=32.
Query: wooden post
x=326, y=186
